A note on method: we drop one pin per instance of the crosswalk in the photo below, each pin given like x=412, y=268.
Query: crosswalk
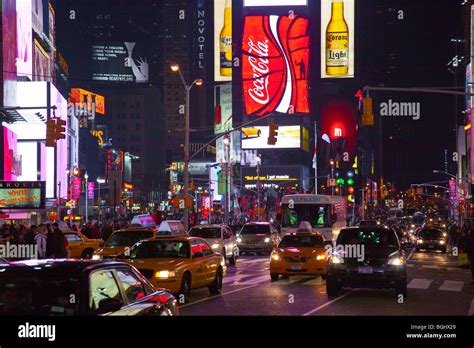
x=254, y=271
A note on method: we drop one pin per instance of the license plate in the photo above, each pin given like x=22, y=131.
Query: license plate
x=366, y=270
x=296, y=268
x=430, y=246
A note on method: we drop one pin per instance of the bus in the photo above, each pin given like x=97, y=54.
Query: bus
x=326, y=214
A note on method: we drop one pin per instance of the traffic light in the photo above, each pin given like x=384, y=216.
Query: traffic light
x=350, y=184
x=60, y=129
x=368, y=115
x=273, y=134
x=51, y=133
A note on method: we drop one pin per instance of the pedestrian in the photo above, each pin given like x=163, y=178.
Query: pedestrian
x=453, y=231
x=61, y=242
x=41, y=242
x=51, y=242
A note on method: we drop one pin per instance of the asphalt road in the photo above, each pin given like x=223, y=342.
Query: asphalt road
x=435, y=287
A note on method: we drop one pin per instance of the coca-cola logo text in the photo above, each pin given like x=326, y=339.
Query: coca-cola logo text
x=260, y=71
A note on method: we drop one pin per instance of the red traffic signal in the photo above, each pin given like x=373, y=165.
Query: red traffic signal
x=350, y=189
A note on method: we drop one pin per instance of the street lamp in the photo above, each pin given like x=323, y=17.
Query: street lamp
x=198, y=82
x=86, y=176
x=226, y=141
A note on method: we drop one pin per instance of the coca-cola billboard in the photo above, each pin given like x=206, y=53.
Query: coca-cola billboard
x=275, y=57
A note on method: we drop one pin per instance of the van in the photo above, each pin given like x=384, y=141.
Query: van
x=171, y=228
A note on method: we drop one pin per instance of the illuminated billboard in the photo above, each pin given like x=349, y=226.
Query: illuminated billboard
x=339, y=133
x=289, y=137
x=223, y=40
x=337, y=38
x=24, y=59
x=42, y=64
x=38, y=18
x=119, y=62
x=223, y=109
x=257, y=3
x=234, y=149
x=288, y=176
x=81, y=97
x=22, y=195
x=9, y=50
x=275, y=59
x=11, y=159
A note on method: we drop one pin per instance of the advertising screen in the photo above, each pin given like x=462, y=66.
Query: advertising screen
x=339, y=132
x=289, y=137
x=11, y=158
x=337, y=38
x=269, y=176
x=223, y=40
x=81, y=97
x=223, y=109
x=255, y=3
x=24, y=59
x=9, y=37
x=22, y=195
x=119, y=62
x=42, y=64
x=275, y=59
x=234, y=149
x=38, y=16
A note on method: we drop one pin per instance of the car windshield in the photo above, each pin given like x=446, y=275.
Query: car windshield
x=430, y=234
x=127, y=238
x=370, y=237
x=255, y=229
x=301, y=242
x=205, y=232
x=368, y=223
x=161, y=249
x=39, y=293
x=318, y=215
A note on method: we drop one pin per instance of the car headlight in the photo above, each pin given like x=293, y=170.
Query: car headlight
x=420, y=241
x=276, y=257
x=165, y=274
x=412, y=226
x=320, y=257
x=336, y=259
x=267, y=240
x=239, y=240
x=445, y=234
x=396, y=261
x=215, y=246
x=96, y=257
x=442, y=242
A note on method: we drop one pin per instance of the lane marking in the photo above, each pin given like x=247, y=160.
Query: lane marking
x=429, y=266
x=292, y=279
x=256, y=280
x=417, y=283
x=329, y=303
x=410, y=265
x=217, y=296
x=451, y=285
x=317, y=281
x=232, y=279
x=471, y=310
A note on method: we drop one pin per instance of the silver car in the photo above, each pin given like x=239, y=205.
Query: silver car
x=258, y=237
x=220, y=238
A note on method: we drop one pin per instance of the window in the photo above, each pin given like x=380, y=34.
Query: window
x=102, y=286
x=132, y=286
x=195, y=247
x=227, y=233
x=205, y=249
x=73, y=238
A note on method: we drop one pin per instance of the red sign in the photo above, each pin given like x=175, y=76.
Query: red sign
x=76, y=188
x=275, y=65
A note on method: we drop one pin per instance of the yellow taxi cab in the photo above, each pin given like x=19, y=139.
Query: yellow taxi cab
x=79, y=246
x=179, y=264
x=121, y=241
x=251, y=132
x=299, y=254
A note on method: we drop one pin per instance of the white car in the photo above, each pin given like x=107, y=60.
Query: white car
x=221, y=239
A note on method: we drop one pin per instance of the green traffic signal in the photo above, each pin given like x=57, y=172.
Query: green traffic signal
x=350, y=181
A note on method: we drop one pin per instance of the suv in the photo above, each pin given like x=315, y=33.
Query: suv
x=367, y=257
x=221, y=239
x=259, y=237
x=431, y=239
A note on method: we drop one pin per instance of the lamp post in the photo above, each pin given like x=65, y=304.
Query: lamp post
x=259, y=162
x=331, y=162
x=69, y=191
x=226, y=141
x=86, y=176
x=197, y=82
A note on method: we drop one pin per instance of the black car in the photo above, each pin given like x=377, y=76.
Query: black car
x=368, y=223
x=431, y=239
x=367, y=257
x=79, y=287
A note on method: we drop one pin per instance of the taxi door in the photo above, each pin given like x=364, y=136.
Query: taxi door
x=75, y=245
x=211, y=262
x=199, y=265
